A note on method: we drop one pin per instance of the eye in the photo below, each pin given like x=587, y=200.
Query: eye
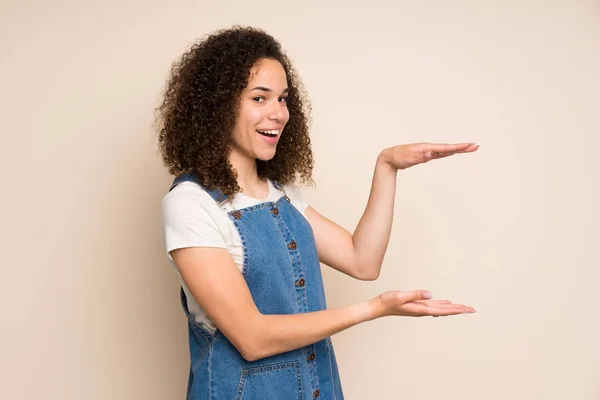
x=258, y=99
x=283, y=99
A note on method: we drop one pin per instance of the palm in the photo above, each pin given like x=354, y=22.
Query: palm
x=408, y=155
x=400, y=303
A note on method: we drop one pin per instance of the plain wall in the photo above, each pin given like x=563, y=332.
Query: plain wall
x=89, y=305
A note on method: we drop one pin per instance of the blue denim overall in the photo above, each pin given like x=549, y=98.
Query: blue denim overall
x=282, y=271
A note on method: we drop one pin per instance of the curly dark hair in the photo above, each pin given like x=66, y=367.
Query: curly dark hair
x=197, y=115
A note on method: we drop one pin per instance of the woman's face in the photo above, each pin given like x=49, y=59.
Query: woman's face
x=263, y=111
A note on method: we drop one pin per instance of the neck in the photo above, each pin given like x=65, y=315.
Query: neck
x=247, y=173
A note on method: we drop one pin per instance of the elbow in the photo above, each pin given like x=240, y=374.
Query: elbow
x=370, y=273
x=252, y=350
x=366, y=268
x=249, y=352
x=251, y=344
x=249, y=357
x=372, y=276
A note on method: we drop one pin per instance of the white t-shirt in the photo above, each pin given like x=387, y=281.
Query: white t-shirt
x=192, y=218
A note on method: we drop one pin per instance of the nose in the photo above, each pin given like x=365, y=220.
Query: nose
x=278, y=112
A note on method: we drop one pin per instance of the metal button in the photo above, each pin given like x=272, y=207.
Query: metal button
x=292, y=245
x=275, y=211
x=237, y=214
x=300, y=282
x=316, y=393
x=311, y=356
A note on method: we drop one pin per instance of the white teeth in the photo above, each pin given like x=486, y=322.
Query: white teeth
x=272, y=133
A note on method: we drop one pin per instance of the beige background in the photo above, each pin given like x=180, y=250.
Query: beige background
x=90, y=308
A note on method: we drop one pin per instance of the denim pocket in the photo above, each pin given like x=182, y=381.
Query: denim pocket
x=335, y=375
x=271, y=382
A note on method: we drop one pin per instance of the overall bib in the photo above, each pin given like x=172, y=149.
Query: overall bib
x=282, y=270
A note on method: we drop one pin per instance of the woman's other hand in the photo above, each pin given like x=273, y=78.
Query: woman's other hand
x=416, y=303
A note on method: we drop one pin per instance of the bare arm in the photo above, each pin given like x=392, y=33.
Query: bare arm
x=361, y=254
x=220, y=289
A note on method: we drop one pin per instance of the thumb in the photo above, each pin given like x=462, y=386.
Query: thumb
x=414, y=295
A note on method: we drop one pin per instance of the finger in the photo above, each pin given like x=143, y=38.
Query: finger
x=443, y=154
x=444, y=310
x=414, y=295
x=433, y=302
x=469, y=149
x=438, y=154
x=446, y=148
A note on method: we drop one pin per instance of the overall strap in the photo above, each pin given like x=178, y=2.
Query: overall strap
x=216, y=194
x=280, y=187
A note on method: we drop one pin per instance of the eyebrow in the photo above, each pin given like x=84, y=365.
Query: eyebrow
x=264, y=89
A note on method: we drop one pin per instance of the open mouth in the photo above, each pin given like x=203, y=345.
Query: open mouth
x=270, y=134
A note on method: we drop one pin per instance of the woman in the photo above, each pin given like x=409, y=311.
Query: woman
x=247, y=247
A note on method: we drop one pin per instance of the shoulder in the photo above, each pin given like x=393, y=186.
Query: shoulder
x=187, y=200
x=191, y=218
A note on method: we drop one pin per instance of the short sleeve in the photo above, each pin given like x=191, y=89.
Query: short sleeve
x=187, y=220
x=295, y=194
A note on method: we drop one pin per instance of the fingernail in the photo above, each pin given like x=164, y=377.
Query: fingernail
x=428, y=155
x=427, y=295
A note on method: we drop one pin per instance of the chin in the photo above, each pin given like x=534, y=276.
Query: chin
x=265, y=155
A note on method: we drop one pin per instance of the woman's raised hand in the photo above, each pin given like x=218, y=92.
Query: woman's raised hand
x=408, y=155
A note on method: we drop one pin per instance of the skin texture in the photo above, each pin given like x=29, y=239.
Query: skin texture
x=263, y=107
x=218, y=285
x=199, y=111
